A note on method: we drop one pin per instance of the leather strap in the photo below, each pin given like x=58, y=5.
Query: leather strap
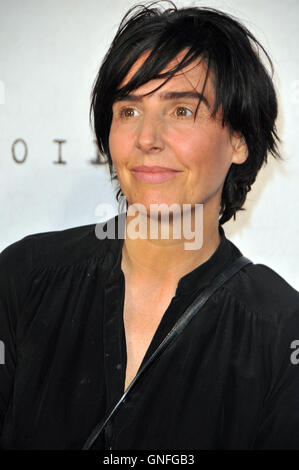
x=177, y=329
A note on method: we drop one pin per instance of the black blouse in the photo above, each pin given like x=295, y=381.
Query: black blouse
x=229, y=381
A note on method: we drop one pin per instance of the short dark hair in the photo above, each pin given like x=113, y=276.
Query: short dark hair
x=243, y=86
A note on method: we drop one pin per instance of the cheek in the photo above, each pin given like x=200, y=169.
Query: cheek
x=208, y=153
x=117, y=145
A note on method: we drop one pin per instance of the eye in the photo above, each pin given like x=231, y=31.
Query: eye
x=127, y=112
x=182, y=111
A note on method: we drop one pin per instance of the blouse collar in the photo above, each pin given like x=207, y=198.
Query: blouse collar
x=225, y=253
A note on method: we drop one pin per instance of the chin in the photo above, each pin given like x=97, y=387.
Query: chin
x=147, y=207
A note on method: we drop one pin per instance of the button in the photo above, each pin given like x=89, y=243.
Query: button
x=118, y=366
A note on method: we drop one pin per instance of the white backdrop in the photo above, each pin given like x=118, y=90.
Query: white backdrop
x=50, y=52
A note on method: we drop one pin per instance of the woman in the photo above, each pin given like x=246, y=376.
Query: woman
x=184, y=110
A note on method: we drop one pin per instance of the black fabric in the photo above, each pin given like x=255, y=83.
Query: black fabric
x=191, y=310
x=228, y=382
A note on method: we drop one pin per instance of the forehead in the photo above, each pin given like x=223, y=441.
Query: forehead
x=190, y=77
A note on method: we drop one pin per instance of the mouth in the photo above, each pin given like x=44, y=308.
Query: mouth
x=154, y=177
x=154, y=174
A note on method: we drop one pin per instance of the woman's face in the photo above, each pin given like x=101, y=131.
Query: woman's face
x=159, y=129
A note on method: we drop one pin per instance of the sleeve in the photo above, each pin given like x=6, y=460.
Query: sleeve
x=15, y=263
x=279, y=426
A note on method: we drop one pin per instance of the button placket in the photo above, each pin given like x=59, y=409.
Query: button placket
x=113, y=349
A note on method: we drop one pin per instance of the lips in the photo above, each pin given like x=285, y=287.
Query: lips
x=153, y=174
x=152, y=169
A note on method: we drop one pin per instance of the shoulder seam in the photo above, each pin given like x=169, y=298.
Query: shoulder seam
x=33, y=239
x=291, y=309
x=76, y=264
x=237, y=299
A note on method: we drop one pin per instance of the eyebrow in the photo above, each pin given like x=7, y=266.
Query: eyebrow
x=170, y=95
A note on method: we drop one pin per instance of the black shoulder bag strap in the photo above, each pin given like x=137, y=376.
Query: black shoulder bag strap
x=177, y=329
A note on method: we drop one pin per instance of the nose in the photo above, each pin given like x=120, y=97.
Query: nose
x=149, y=137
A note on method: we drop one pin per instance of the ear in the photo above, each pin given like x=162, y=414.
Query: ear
x=240, y=149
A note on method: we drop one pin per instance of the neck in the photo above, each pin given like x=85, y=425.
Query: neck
x=152, y=261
